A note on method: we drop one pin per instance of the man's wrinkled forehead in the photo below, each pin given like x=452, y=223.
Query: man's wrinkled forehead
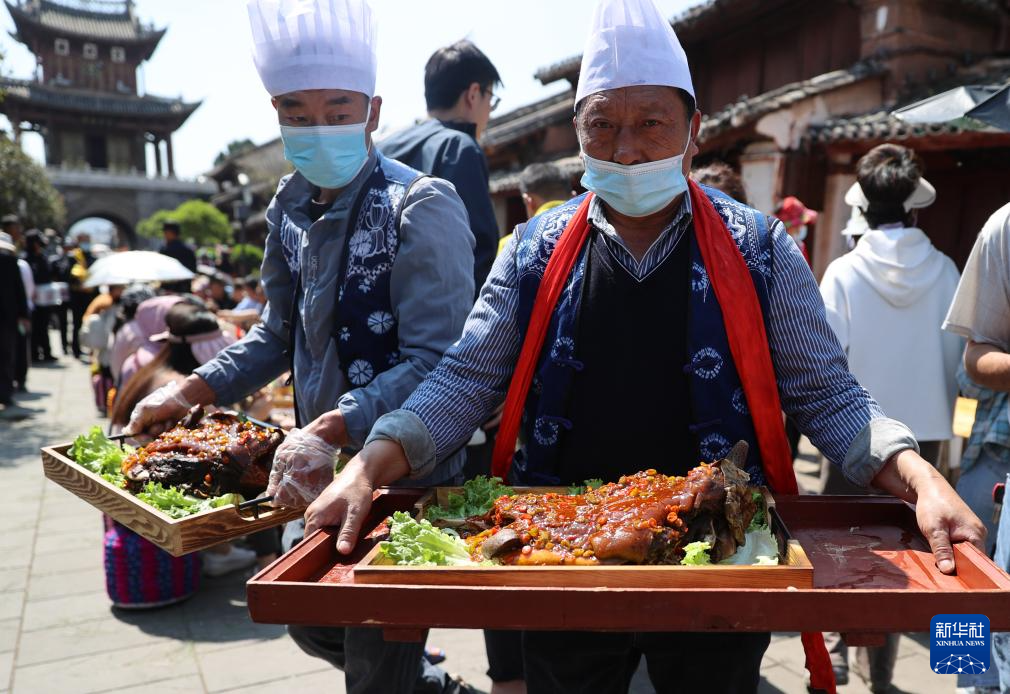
x=646, y=98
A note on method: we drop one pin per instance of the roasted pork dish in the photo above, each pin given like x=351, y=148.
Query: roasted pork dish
x=207, y=455
x=644, y=518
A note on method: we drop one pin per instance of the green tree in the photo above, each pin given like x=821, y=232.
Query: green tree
x=234, y=147
x=246, y=257
x=26, y=191
x=201, y=222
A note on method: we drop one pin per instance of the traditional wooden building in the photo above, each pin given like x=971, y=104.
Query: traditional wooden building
x=246, y=182
x=97, y=126
x=84, y=98
x=794, y=92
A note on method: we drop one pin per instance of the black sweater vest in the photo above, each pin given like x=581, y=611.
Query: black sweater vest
x=630, y=406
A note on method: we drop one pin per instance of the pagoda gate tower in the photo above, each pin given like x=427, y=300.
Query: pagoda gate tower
x=84, y=101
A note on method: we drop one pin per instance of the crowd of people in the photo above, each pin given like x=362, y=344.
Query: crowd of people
x=377, y=250
x=44, y=290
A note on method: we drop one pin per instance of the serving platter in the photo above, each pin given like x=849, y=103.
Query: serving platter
x=176, y=536
x=873, y=574
x=793, y=570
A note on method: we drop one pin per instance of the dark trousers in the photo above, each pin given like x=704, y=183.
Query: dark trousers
x=41, y=348
x=78, y=305
x=62, y=325
x=504, y=654
x=8, y=345
x=21, y=347
x=592, y=662
x=371, y=664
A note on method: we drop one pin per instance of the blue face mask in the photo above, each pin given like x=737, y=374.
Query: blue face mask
x=328, y=156
x=637, y=190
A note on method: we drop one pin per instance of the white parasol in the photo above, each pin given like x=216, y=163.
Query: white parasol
x=136, y=266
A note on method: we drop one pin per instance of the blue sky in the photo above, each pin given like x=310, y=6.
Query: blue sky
x=206, y=56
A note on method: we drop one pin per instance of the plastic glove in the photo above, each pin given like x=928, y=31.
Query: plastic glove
x=303, y=468
x=158, y=411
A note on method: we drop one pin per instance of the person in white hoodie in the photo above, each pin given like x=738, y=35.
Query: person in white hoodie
x=888, y=297
x=885, y=301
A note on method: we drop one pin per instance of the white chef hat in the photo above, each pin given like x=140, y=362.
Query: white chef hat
x=630, y=43
x=314, y=44
x=923, y=196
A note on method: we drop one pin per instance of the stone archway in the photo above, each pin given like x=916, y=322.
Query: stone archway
x=123, y=199
x=124, y=230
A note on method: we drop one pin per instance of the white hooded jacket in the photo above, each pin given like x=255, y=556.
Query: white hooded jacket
x=886, y=301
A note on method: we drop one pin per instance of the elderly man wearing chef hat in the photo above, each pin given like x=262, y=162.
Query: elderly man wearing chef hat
x=368, y=273
x=656, y=321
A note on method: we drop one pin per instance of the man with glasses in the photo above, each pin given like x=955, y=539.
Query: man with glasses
x=459, y=83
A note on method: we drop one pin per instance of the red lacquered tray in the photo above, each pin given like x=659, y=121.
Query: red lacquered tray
x=873, y=573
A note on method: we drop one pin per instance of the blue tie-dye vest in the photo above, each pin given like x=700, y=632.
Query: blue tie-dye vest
x=365, y=327
x=719, y=408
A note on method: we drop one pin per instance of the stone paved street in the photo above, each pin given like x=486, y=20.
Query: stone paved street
x=58, y=632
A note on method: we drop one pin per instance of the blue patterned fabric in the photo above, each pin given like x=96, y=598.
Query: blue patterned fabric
x=365, y=326
x=721, y=415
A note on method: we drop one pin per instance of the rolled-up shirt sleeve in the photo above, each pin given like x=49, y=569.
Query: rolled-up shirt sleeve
x=469, y=382
x=431, y=288
x=815, y=385
x=262, y=355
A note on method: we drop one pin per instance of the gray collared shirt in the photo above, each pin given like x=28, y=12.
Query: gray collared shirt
x=431, y=287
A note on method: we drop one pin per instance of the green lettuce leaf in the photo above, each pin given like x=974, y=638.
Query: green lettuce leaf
x=696, y=554
x=760, y=519
x=175, y=504
x=418, y=543
x=168, y=500
x=478, y=497
x=95, y=452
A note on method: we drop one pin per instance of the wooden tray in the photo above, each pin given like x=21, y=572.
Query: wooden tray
x=176, y=536
x=795, y=570
x=873, y=575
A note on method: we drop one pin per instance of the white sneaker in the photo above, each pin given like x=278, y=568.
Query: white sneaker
x=220, y=564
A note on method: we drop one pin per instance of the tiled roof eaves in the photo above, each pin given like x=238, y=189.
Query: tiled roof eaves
x=881, y=125
x=71, y=21
x=91, y=102
x=559, y=70
x=748, y=109
x=528, y=119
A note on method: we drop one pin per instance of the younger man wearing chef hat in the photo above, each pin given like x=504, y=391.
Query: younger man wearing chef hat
x=368, y=274
x=679, y=322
